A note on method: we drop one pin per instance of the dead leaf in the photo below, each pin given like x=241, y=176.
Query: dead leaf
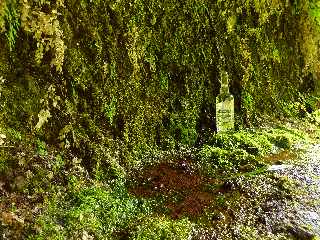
x=9, y=218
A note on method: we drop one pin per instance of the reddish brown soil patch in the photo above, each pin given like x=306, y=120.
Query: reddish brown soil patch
x=193, y=204
x=183, y=187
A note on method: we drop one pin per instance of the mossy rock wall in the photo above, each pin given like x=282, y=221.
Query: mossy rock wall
x=125, y=75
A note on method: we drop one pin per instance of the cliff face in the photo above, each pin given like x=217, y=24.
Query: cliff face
x=124, y=75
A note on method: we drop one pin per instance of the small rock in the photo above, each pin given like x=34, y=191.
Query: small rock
x=221, y=217
x=300, y=233
x=86, y=236
x=229, y=185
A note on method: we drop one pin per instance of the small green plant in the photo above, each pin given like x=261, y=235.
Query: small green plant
x=314, y=117
x=58, y=164
x=183, y=130
x=102, y=212
x=247, y=101
x=3, y=164
x=284, y=137
x=214, y=159
x=219, y=157
x=314, y=11
x=110, y=110
x=252, y=142
x=282, y=141
x=14, y=134
x=221, y=200
x=162, y=228
x=12, y=23
x=41, y=148
x=287, y=185
x=164, y=81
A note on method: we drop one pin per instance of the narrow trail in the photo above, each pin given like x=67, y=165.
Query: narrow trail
x=303, y=218
x=283, y=203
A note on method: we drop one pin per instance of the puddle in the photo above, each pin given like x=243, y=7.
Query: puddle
x=186, y=192
x=279, y=167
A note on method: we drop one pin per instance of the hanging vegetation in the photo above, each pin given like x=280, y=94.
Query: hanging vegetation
x=96, y=75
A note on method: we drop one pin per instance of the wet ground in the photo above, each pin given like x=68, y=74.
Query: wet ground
x=282, y=202
x=302, y=215
x=183, y=189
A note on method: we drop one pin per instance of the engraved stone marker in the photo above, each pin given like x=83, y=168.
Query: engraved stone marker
x=224, y=106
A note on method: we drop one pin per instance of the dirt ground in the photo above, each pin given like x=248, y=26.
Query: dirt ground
x=280, y=203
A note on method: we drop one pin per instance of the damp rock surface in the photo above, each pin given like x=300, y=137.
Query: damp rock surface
x=283, y=203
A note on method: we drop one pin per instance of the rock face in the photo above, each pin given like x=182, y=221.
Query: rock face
x=147, y=72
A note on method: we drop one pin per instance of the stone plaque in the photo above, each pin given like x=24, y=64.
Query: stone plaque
x=225, y=115
x=224, y=107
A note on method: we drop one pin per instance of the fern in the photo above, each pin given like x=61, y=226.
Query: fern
x=12, y=21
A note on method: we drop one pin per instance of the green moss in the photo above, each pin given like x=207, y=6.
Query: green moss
x=170, y=58
x=100, y=213
x=254, y=143
x=13, y=134
x=183, y=130
x=12, y=21
x=58, y=164
x=110, y=110
x=149, y=75
x=285, y=137
x=41, y=148
x=3, y=165
x=213, y=160
x=240, y=151
x=156, y=228
x=134, y=76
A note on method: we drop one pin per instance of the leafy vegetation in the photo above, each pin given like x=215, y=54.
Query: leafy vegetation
x=94, y=211
x=162, y=228
x=242, y=150
x=103, y=212
x=93, y=91
x=213, y=159
x=143, y=76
